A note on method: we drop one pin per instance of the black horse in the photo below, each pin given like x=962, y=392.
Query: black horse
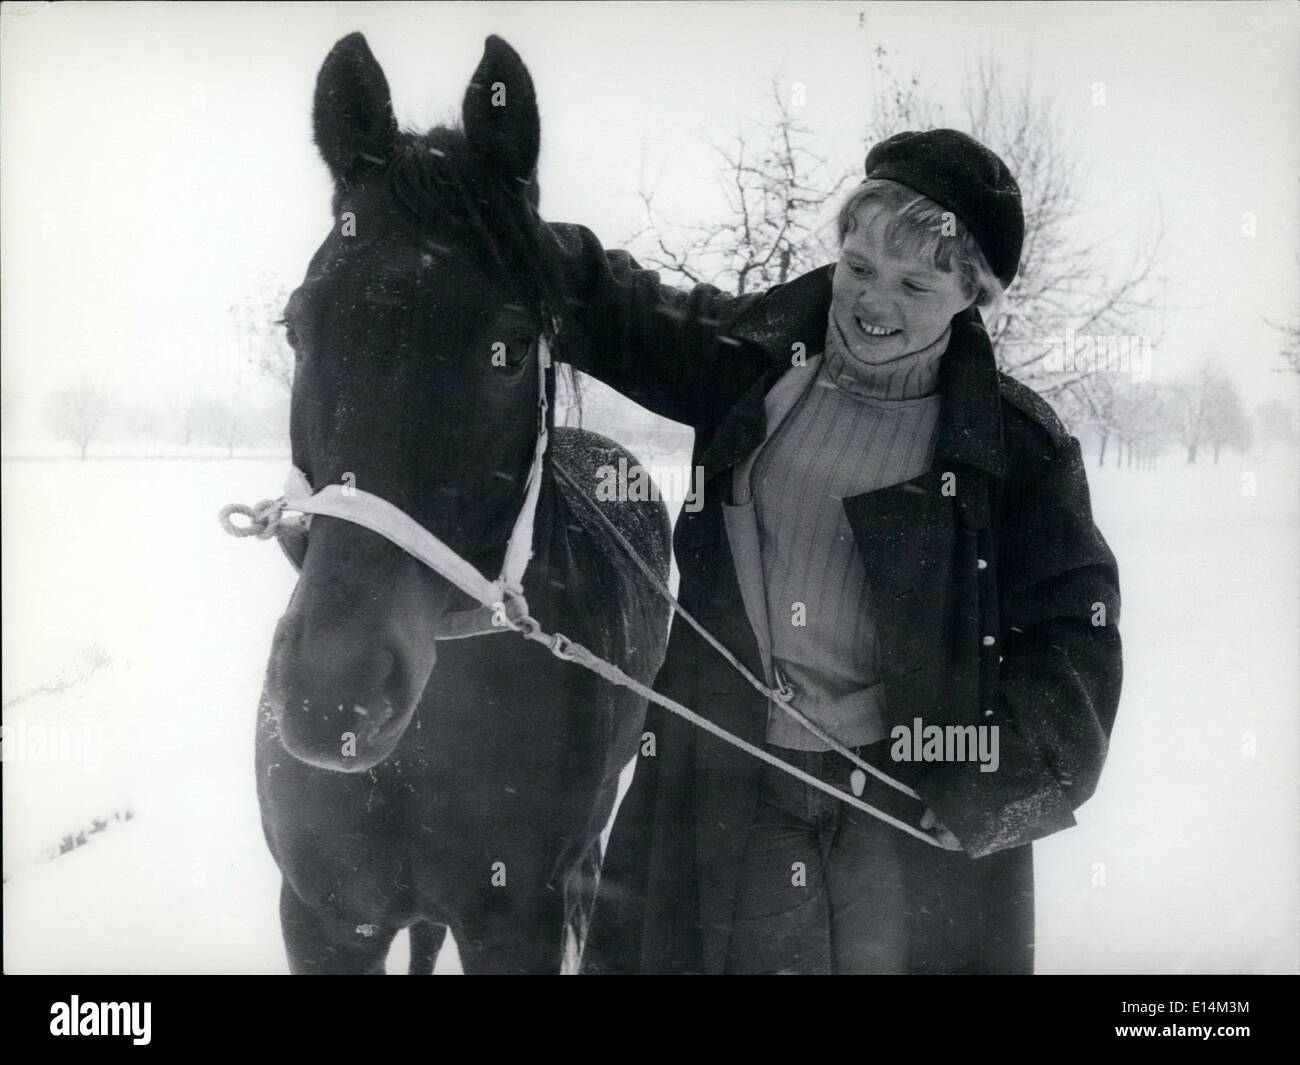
x=403, y=781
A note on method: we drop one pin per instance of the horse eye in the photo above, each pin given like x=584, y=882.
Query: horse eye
x=290, y=334
x=517, y=351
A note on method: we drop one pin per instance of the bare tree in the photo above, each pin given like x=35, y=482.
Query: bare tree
x=189, y=421
x=1290, y=350
x=259, y=332
x=897, y=100
x=1289, y=332
x=1275, y=423
x=270, y=423
x=1143, y=418
x=1068, y=289
x=1066, y=285
x=137, y=420
x=1095, y=403
x=79, y=413
x=1134, y=416
x=227, y=426
x=1191, y=397
x=1208, y=411
x=209, y=420
x=1226, y=423
x=776, y=188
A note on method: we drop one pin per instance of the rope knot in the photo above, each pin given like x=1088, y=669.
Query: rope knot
x=514, y=611
x=263, y=519
x=784, y=691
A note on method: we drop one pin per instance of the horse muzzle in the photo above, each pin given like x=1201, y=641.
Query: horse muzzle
x=340, y=703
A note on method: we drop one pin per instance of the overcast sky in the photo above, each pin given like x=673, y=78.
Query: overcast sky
x=156, y=162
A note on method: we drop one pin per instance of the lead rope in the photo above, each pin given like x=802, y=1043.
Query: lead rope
x=782, y=696
x=562, y=647
x=266, y=517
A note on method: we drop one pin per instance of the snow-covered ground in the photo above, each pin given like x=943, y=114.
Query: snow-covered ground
x=135, y=634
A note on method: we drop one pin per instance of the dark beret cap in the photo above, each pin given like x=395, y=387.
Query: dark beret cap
x=963, y=176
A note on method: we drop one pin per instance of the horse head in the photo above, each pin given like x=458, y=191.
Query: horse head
x=417, y=339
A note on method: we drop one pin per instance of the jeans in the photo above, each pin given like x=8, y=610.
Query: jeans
x=821, y=887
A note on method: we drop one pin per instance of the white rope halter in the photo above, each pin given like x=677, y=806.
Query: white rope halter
x=501, y=601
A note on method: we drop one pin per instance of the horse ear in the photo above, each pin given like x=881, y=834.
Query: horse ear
x=500, y=116
x=352, y=113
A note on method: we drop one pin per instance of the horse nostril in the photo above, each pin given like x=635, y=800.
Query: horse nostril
x=339, y=685
x=376, y=716
x=375, y=670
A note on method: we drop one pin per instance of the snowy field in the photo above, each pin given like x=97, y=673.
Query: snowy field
x=136, y=632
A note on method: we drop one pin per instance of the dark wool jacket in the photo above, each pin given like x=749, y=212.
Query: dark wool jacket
x=997, y=603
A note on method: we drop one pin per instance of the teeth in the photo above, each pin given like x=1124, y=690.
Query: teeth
x=875, y=330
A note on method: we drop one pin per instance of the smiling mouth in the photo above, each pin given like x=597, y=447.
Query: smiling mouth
x=874, y=330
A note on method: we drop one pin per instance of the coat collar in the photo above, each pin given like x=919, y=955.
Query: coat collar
x=969, y=429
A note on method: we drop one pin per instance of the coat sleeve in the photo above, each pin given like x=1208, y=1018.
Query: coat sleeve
x=1060, y=672
x=663, y=347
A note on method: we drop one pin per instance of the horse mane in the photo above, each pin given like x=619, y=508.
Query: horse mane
x=441, y=185
x=445, y=189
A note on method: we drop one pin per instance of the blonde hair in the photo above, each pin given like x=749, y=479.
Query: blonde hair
x=916, y=225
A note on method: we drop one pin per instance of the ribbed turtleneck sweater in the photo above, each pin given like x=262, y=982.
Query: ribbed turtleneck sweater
x=857, y=428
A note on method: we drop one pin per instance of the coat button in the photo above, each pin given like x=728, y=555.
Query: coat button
x=988, y=641
x=981, y=563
